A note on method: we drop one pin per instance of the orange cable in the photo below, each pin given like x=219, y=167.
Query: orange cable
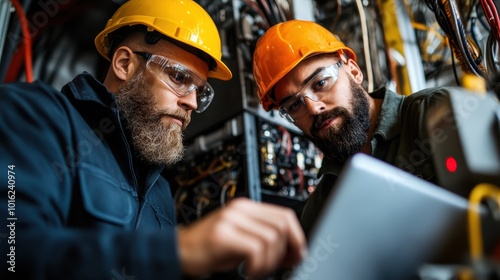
x=26, y=40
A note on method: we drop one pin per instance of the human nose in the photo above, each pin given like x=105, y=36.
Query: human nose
x=189, y=101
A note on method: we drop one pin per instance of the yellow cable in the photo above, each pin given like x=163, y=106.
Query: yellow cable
x=394, y=41
x=477, y=195
x=476, y=84
x=423, y=27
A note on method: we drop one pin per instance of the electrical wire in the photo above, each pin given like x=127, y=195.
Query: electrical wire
x=286, y=141
x=476, y=197
x=455, y=74
x=14, y=67
x=267, y=12
x=466, y=51
x=493, y=42
x=484, y=24
x=492, y=59
x=229, y=188
x=256, y=8
x=432, y=35
x=366, y=45
x=434, y=48
x=337, y=15
x=212, y=168
x=26, y=40
x=378, y=46
x=491, y=15
x=273, y=8
x=302, y=183
x=464, y=44
x=284, y=10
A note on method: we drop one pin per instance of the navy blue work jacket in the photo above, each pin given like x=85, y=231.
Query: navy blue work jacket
x=79, y=204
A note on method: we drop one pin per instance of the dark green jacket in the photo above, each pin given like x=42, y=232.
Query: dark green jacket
x=399, y=139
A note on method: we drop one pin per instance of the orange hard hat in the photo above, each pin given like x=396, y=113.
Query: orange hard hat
x=285, y=45
x=182, y=20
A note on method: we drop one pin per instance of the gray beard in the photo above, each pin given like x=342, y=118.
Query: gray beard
x=155, y=142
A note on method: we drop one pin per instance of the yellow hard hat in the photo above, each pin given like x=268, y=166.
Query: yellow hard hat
x=285, y=45
x=182, y=20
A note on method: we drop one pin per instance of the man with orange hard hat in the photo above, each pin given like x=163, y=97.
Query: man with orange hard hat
x=306, y=73
x=86, y=197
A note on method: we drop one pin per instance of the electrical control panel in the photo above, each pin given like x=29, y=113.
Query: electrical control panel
x=289, y=162
x=208, y=180
x=217, y=168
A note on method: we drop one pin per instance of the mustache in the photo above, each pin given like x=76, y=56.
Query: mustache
x=321, y=118
x=181, y=115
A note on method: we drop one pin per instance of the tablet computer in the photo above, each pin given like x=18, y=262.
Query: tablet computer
x=382, y=223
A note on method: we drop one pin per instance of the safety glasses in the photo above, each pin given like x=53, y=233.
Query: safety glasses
x=294, y=108
x=179, y=78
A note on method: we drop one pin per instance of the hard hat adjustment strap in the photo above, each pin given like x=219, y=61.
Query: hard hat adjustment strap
x=152, y=37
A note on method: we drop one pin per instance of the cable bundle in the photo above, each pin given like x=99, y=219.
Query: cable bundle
x=466, y=51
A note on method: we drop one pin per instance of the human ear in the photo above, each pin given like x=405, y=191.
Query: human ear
x=354, y=71
x=124, y=63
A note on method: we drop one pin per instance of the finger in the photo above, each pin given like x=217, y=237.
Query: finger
x=228, y=236
x=282, y=218
x=242, y=241
x=273, y=243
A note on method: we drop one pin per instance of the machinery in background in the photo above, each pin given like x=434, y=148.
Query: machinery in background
x=40, y=42
x=247, y=156
x=289, y=162
x=208, y=180
x=464, y=134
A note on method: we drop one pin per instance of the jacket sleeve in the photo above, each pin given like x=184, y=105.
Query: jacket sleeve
x=36, y=195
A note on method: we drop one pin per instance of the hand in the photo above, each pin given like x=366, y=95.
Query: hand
x=267, y=237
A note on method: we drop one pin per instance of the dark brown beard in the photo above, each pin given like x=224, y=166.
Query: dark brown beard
x=155, y=142
x=342, y=141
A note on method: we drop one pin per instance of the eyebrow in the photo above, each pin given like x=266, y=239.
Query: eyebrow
x=304, y=83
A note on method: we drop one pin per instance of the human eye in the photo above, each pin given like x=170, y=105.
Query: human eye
x=177, y=77
x=293, y=105
x=322, y=83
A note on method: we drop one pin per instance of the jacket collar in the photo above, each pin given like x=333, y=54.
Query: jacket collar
x=389, y=124
x=86, y=87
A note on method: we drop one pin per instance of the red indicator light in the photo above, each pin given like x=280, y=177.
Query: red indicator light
x=451, y=164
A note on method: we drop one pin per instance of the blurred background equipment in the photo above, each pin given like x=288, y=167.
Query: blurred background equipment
x=465, y=137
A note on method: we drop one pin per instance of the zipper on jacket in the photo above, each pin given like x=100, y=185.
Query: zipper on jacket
x=142, y=202
x=129, y=151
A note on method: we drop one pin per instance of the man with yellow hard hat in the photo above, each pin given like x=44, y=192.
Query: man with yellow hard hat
x=85, y=195
x=306, y=73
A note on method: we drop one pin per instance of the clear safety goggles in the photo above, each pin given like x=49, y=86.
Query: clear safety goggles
x=180, y=79
x=294, y=108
